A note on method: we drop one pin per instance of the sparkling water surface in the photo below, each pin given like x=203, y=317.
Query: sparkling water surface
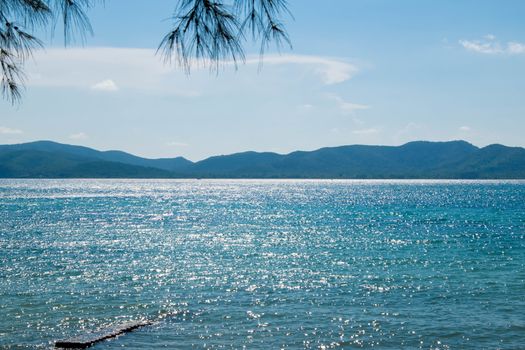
x=264, y=264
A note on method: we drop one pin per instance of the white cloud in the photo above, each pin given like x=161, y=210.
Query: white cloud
x=9, y=131
x=345, y=106
x=351, y=107
x=78, y=136
x=410, y=132
x=365, y=131
x=358, y=121
x=105, y=85
x=331, y=71
x=481, y=47
x=142, y=70
x=133, y=69
x=465, y=128
x=515, y=48
x=489, y=45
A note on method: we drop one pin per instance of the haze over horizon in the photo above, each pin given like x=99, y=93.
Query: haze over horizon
x=367, y=72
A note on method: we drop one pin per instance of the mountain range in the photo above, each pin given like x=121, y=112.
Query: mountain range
x=414, y=160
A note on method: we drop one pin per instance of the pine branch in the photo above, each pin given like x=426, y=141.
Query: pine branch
x=212, y=32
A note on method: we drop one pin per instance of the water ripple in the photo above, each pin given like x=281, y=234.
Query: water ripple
x=264, y=264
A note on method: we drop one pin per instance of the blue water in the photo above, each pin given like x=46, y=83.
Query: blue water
x=264, y=264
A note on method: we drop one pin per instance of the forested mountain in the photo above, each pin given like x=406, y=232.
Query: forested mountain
x=421, y=159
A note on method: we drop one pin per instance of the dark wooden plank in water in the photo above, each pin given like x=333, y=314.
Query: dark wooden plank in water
x=87, y=340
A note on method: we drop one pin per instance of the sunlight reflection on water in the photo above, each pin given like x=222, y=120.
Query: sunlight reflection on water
x=264, y=264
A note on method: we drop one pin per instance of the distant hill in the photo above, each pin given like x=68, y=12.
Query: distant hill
x=38, y=164
x=169, y=164
x=421, y=159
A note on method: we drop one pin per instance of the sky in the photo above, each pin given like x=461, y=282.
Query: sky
x=360, y=72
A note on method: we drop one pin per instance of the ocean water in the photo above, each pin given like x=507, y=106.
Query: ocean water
x=264, y=264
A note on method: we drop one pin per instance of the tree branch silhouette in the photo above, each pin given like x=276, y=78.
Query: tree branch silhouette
x=211, y=32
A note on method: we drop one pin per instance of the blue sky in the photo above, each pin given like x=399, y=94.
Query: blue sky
x=360, y=72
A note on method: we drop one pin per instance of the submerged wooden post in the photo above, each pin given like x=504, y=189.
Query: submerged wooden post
x=87, y=340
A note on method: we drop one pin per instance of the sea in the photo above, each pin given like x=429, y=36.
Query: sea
x=264, y=264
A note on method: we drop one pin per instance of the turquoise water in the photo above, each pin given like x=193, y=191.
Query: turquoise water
x=264, y=264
